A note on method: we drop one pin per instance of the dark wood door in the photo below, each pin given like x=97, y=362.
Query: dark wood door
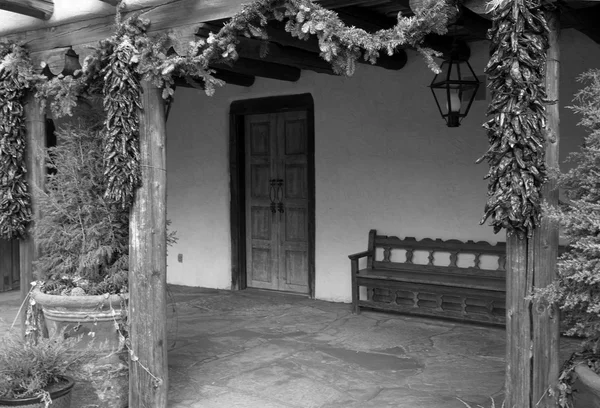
x=9, y=265
x=277, y=213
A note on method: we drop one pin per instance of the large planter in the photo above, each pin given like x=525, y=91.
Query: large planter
x=95, y=319
x=60, y=395
x=586, y=389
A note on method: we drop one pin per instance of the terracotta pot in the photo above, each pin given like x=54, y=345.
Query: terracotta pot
x=95, y=317
x=586, y=389
x=60, y=395
x=92, y=316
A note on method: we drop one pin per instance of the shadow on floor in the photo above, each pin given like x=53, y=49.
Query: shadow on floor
x=270, y=350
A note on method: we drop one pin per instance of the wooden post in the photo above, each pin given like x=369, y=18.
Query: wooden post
x=532, y=331
x=545, y=336
x=148, y=382
x=518, y=324
x=35, y=140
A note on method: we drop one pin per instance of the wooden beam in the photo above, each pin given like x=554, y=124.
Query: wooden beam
x=336, y=4
x=165, y=16
x=41, y=9
x=148, y=378
x=278, y=35
x=235, y=78
x=295, y=57
x=252, y=67
x=545, y=318
x=366, y=19
x=232, y=78
x=302, y=54
x=532, y=330
x=35, y=140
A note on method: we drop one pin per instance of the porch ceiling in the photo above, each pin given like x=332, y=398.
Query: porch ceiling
x=186, y=19
x=286, y=52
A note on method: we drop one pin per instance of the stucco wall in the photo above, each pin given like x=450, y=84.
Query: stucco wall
x=384, y=159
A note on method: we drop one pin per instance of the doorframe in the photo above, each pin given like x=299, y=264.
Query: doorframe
x=237, y=111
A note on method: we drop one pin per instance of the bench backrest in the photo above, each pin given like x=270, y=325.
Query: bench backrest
x=451, y=256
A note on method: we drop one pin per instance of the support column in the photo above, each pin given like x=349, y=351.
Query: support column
x=35, y=141
x=545, y=335
x=532, y=330
x=148, y=381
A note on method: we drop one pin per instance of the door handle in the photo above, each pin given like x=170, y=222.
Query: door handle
x=273, y=195
x=280, y=195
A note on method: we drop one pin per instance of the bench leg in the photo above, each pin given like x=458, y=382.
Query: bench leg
x=355, y=308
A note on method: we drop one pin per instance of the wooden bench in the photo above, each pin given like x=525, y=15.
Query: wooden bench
x=450, y=279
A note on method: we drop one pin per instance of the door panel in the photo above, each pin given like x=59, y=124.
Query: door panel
x=277, y=201
x=293, y=226
x=261, y=240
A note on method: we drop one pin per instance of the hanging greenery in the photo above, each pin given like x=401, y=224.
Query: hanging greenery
x=130, y=56
x=339, y=44
x=16, y=77
x=516, y=129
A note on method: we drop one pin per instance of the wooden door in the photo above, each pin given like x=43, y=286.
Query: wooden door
x=277, y=213
x=9, y=265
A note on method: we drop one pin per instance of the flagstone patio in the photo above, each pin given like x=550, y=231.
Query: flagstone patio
x=269, y=350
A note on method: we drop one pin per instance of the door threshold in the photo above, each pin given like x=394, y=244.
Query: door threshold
x=277, y=292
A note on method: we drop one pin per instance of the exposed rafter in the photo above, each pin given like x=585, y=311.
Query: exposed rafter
x=263, y=69
x=41, y=9
x=281, y=41
x=283, y=55
x=232, y=78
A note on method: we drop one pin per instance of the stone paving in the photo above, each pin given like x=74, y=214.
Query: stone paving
x=268, y=350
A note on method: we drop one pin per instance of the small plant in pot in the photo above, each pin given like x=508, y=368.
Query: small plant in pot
x=577, y=289
x=83, y=241
x=37, y=373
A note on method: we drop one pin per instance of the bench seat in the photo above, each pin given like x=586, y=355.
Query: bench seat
x=413, y=275
x=474, y=293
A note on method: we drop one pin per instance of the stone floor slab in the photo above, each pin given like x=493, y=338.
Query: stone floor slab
x=259, y=349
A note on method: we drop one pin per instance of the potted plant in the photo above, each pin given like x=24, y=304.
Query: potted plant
x=83, y=241
x=577, y=288
x=35, y=374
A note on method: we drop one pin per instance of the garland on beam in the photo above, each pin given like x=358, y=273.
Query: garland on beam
x=516, y=129
x=130, y=55
x=16, y=77
x=340, y=45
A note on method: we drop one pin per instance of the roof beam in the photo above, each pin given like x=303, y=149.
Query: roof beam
x=283, y=55
x=279, y=37
x=41, y=9
x=263, y=69
x=232, y=78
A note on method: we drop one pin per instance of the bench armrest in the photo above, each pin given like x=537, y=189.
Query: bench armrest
x=359, y=255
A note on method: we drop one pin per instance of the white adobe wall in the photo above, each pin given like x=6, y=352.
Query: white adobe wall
x=384, y=159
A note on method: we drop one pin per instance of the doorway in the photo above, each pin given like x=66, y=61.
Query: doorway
x=272, y=194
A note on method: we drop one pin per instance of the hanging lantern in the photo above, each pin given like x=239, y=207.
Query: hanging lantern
x=72, y=64
x=452, y=92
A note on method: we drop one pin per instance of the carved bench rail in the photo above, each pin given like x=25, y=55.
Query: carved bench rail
x=440, y=286
x=432, y=247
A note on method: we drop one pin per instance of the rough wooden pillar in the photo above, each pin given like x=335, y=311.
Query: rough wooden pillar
x=545, y=336
x=148, y=382
x=532, y=328
x=35, y=140
x=518, y=324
